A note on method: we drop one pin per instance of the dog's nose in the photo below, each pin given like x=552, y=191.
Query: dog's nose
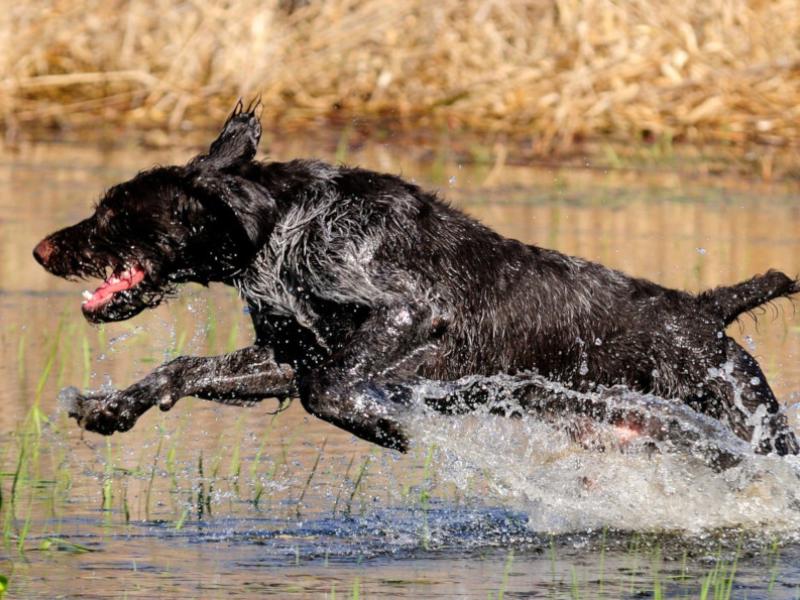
x=43, y=251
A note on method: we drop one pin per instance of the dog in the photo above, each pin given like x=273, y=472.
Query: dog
x=359, y=283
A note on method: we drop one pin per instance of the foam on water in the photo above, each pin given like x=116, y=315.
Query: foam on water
x=564, y=486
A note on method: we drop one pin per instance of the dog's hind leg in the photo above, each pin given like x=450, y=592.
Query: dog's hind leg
x=741, y=397
x=241, y=377
x=351, y=389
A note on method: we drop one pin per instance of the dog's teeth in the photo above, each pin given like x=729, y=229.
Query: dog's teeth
x=87, y=295
x=114, y=279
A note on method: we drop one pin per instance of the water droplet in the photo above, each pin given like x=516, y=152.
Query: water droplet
x=452, y=180
x=751, y=344
x=701, y=250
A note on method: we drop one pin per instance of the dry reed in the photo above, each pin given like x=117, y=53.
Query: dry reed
x=549, y=71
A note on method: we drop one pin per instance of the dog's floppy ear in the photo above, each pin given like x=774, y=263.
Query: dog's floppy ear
x=250, y=204
x=238, y=141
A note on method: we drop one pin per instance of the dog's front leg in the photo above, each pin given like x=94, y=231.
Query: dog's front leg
x=247, y=375
x=351, y=391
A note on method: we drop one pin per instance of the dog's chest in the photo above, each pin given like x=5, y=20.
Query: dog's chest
x=278, y=293
x=271, y=287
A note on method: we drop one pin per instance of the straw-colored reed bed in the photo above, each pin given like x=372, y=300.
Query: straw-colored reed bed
x=549, y=71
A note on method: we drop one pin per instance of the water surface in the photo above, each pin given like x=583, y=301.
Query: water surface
x=211, y=501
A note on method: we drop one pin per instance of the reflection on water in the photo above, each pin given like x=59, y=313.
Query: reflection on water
x=209, y=500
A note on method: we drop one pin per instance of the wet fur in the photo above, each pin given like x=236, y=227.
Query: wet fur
x=360, y=282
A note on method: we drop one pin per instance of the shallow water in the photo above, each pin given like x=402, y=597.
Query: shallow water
x=210, y=501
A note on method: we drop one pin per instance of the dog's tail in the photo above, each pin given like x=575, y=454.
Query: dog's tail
x=728, y=302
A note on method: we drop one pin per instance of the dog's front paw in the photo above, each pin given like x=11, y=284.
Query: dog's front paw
x=101, y=412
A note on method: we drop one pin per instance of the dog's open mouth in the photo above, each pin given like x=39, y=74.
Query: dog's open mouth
x=118, y=282
x=123, y=294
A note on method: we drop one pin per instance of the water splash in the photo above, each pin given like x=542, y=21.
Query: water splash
x=652, y=484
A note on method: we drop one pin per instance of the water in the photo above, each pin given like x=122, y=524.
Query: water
x=211, y=501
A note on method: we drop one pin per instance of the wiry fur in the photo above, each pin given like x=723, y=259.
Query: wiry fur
x=360, y=281
x=729, y=302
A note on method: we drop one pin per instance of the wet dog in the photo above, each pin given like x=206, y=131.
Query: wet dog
x=359, y=283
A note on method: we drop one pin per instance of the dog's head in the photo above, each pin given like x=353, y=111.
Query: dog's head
x=200, y=222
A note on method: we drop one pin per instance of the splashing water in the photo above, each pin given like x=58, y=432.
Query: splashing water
x=649, y=484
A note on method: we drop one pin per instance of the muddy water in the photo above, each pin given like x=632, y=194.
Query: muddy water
x=209, y=501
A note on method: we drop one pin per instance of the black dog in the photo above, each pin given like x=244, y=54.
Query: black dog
x=359, y=282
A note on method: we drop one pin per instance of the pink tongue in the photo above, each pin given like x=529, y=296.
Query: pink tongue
x=116, y=283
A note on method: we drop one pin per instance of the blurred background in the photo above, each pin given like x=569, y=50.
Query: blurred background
x=540, y=77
